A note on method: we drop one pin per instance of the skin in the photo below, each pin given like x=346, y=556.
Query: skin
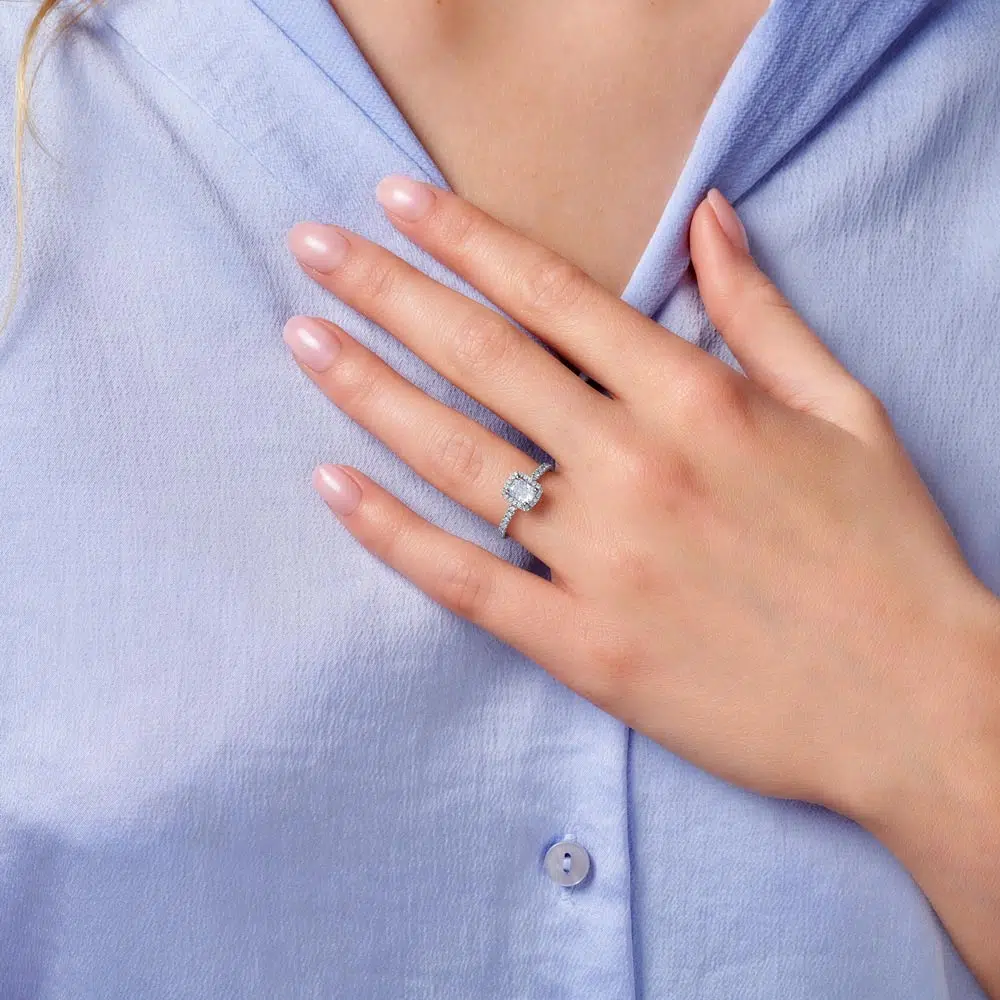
x=570, y=122
x=746, y=568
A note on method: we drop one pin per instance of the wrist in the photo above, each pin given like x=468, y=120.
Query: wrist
x=944, y=747
x=941, y=744
x=936, y=801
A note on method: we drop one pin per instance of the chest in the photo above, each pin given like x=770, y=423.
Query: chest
x=569, y=122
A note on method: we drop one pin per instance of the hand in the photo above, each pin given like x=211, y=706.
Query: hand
x=747, y=569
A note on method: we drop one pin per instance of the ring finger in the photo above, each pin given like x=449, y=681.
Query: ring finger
x=451, y=451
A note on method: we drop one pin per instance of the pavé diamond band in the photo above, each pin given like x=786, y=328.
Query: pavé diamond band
x=522, y=492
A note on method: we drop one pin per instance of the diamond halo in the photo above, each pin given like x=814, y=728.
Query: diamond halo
x=521, y=491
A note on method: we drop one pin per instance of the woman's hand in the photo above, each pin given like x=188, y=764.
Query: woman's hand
x=746, y=568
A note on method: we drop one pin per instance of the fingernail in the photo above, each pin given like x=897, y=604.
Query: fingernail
x=728, y=219
x=337, y=488
x=314, y=344
x=319, y=247
x=407, y=198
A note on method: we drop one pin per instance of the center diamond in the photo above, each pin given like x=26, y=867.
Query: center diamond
x=522, y=491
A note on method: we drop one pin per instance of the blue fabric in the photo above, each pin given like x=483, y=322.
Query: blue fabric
x=241, y=758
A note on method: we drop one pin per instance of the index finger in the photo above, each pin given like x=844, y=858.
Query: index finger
x=543, y=291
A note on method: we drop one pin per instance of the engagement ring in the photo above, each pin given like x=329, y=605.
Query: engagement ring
x=522, y=492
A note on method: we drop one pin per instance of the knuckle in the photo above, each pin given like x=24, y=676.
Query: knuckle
x=721, y=400
x=357, y=383
x=680, y=487
x=759, y=288
x=456, y=457
x=481, y=341
x=462, y=587
x=374, y=278
x=668, y=476
x=554, y=284
x=457, y=229
x=734, y=311
x=731, y=402
x=381, y=532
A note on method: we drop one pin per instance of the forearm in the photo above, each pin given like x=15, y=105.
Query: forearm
x=941, y=814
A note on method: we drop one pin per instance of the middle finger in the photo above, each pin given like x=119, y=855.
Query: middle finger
x=453, y=452
x=472, y=345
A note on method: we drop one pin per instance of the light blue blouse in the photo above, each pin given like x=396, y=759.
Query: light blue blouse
x=241, y=758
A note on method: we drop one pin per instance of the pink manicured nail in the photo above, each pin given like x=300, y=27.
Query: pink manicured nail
x=728, y=219
x=315, y=345
x=408, y=199
x=319, y=247
x=337, y=488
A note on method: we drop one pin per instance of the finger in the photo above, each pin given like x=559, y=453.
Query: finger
x=773, y=345
x=547, y=294
x=450, y=450
x=473, y=346
x=521, y=608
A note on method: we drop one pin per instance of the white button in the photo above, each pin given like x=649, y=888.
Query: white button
x=567, y=862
